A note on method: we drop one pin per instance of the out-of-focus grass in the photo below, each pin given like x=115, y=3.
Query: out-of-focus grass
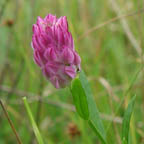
x=106, y=52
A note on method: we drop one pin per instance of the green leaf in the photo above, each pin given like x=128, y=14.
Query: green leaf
x=80, y=99
x=126, y=120
x=35, y=128
x=86, y=106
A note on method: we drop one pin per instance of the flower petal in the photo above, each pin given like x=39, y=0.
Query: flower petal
x=67, y=56
x=70, y=71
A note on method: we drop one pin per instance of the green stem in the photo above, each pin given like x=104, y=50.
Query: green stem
x=35, y=128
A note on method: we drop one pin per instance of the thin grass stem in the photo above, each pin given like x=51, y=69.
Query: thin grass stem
x=10, y=122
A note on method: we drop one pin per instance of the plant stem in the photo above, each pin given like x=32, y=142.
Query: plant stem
x=35, y=128
x=10, y=122
x=126, y=93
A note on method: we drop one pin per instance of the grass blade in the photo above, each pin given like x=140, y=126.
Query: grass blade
x=126, y=120
x=35, y=128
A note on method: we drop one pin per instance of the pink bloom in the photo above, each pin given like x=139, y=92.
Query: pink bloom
x=54, y=50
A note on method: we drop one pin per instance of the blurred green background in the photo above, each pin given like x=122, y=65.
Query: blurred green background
x=112, y=55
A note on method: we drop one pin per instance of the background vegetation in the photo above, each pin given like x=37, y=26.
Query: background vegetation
x=112, y=57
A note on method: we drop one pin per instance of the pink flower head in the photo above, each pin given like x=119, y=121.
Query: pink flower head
x=54, y=50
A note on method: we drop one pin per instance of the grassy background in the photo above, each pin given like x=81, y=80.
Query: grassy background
x=109, y=58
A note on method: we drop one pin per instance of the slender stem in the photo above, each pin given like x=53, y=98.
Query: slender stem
x=35, y=128
x=108, y=22
x=126, y=93
x=39, y=107
x=10, y=122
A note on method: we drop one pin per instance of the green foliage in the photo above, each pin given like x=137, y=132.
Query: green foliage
x=124, y=141
x=35, y=128
x=80, y=99
x=126, y=121
x=86, y=106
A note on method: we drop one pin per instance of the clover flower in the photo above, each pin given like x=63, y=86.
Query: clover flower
x=54, y=50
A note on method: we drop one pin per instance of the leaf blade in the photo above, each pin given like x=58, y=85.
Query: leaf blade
x=94, y=118
x=35, y=128
x=80, y=100
x=126, y=120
